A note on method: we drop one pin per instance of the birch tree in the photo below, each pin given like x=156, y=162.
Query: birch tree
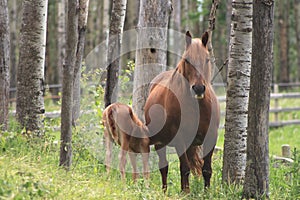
x=4, y=64
x=151, y=55
x=238, y=85
x=114, y=49
x=30, y=79
x=256, y=184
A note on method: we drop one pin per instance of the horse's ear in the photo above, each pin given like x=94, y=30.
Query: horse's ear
x=204, y=38
x=188, y=39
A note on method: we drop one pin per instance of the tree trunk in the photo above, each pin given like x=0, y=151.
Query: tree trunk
x=211, y=27
x=82, y=23
x=105, y=22
x=256, y=183
x=114, y=49
x=4, y=64
x=67, y=90
x=283, y=10
x=297, y=30
x=174, y=53
x=151, y=53
x=30, y=87
x=61, y=38
x=13, y=44
x=238, y=85
x=51, y=70
x=130, y=23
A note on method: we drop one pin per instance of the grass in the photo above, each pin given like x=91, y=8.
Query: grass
x=29, y=170
x=29, y=167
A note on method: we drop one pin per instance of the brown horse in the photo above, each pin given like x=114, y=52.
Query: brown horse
x=182, y=111
x=123, y=127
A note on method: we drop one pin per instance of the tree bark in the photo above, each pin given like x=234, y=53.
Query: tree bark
x=30, y=87
x=114, y=49
x=4, y=64
x=256, y=183
x=151, y=53
x=283, y=10
x=82, y=23
x=67, y=90
x=297, y=29
x=61, y=38
x=238, y=85
x=13, y=44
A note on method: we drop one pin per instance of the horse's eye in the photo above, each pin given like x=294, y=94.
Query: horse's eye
x=187, y=61
x=207, y=60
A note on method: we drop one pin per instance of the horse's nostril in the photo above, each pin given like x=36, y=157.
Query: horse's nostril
x=199, y=89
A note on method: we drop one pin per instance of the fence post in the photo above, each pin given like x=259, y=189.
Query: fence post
x=286, y=150
x=276, y=103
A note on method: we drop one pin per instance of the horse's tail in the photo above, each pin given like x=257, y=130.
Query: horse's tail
x=194, y=154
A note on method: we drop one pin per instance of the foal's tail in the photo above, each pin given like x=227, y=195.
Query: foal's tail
x=194, y=154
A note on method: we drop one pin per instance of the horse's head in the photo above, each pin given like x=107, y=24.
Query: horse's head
x=195, y=64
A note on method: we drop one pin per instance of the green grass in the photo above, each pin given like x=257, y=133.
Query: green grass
x=29, y=170
x=29, y=167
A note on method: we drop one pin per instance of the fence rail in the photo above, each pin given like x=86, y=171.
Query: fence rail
x=275, y=110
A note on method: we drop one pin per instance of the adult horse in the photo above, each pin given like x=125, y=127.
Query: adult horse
x=182, y=111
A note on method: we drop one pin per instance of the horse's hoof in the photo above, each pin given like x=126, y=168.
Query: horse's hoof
x=164, y=188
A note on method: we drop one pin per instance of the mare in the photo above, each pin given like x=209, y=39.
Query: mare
x=123, y=127
x=182, y=111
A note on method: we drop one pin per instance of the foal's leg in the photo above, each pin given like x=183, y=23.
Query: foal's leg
x=108, y=147
x=145, y=157
x=207, y=170
x=132, y=157
x=122, y=156
x=163, y=164
x=184, y=169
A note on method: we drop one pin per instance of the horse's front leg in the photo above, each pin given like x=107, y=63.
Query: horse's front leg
x=184, y=169
x=207, y=170
x=163, y=164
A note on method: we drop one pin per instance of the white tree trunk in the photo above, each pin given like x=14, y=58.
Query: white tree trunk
x=151, y=53
x=30, y=86
x=4, y=64
x=238, y=85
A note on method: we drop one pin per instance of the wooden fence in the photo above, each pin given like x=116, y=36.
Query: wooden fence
x=274, y=110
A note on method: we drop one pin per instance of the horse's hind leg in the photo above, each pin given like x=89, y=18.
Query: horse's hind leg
x=207, y=170
x=163, y=164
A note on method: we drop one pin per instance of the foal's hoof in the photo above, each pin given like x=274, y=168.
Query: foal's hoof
x=186, y=190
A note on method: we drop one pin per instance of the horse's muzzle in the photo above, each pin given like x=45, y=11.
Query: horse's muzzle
x=199, y=91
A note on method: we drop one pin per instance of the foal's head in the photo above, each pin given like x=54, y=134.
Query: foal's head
x=195, y=65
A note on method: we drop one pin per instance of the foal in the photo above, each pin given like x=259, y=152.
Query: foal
x=123, y=127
